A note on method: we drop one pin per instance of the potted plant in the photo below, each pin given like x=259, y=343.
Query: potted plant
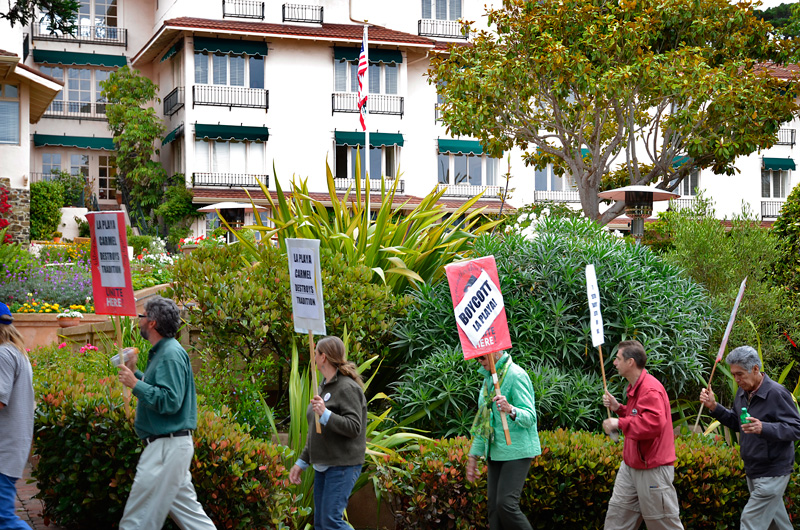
x=57, y=236
x=70, y=318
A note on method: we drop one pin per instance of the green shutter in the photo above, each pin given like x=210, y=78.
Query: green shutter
x=172, y=51
x=376, y=55
x=231, y=132
x=82, y=142
x=78, y=59
x=376, y=139
x=176, y=132
x=678, y=161
x=233, y=46
x=470, y=147
x=779, y=164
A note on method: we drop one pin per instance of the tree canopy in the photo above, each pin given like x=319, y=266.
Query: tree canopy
x=656, y=87
x=60, y=14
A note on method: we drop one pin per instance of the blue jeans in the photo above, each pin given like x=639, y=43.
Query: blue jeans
x=8, y=494
x=331, y=491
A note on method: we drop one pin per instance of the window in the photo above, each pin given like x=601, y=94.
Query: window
x=9, y=114
x=442, y=9
x=546, y=180
x=229, y=157
x=383, y=77
x=471, y=169
x=82, y=88
x=774, y=183
x=51, y=163
x=690, y=183
x=229, y=69
x=58, y=73
x=382, y=161
x=98, y=13
x=107, y=173
x=79, y=165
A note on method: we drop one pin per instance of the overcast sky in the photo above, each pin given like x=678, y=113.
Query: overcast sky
x=765, y=4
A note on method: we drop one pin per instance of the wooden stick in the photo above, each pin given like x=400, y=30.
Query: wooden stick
x=497, y=393
x=314, y=375
x=603, y=372
x=699, y=412
x=126, y=392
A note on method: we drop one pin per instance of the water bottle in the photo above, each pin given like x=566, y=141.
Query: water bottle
x=743, y=418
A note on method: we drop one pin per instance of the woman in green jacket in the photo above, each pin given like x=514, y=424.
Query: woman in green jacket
x=508, y=464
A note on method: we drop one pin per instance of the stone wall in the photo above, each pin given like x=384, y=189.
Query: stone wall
x=19, y=217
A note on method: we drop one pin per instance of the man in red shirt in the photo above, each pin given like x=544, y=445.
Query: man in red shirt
x=643, y=489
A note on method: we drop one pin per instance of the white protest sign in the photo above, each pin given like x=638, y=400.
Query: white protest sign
x=482, y=303
x=109, y=250
x=305, y=277
x=595, y=316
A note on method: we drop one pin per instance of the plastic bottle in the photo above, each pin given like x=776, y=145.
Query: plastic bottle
x=743, y=417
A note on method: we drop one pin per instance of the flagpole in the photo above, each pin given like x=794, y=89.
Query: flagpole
x=366, y=109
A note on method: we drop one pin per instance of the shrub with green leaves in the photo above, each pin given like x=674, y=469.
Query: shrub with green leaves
x=46, y=200
x=544, y=289
x=568, y=485
x=787, y=230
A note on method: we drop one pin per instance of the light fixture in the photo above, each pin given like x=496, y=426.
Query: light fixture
x=638, y=204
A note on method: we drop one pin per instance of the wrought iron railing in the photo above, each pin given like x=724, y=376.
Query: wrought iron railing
x=682, y=203
x=376, y=103
x=76, y=110
x=556, y=196
x=446, y=29
x=771, y=209
x=301, y=13
x=228, y=180
x=786, y=137
x=243, y=9
x=230, y=96
x=374, y=184
x=173, y=101
x=97, y=34
x=470, y=190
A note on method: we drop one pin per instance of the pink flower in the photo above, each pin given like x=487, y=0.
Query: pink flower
x=62, y=345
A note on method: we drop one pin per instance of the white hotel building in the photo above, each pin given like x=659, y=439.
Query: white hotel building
x=248, y=85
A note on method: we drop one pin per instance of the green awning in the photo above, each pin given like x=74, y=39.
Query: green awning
x=678, y=161
x=172, y=51
x=178, y=131
x=469, y=147
x=233, y=46
x=376, y=139
x=231, y=132
x=780, y=164
x=584, y=152
x=78, y=59
x=83, y=142
x=376, y=55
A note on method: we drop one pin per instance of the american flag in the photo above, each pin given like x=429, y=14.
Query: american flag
x=362, y=88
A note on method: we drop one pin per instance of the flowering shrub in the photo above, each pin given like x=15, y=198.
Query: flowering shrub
x=65, y=285
x=203, y=241
x=149, y=269
x=63, y=252
x=4, y=209
x=70, y=314
x=88, y=348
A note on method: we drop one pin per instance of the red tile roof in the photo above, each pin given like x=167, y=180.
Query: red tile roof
x=8, y=54
x=781, y=71
x=40, y=74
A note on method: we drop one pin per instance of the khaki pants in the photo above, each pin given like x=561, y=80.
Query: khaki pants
x=644, y=494
x=766, y=509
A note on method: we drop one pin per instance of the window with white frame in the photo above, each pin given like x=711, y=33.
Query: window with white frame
x=229, y=69
x=774, y=183
x=107, y=177
x=79, y=165
x=441, y=9
x=383, y=161
x=82, y=88
x=51, y=163
x=690, y=184
x=229, y=157
x=383, y=77
x=545, y=179
x=9, y=114
x=99, y=13
x=467, y=168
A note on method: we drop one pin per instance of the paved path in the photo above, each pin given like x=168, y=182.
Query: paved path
x=28, y=508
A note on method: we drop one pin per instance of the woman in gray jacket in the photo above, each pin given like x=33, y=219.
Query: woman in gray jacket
x=337, y=453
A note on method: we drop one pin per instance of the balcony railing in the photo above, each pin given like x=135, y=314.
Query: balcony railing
x=376, y=103
x=683, y=203
x=446, y=29
x=173, y=101
x=786, y=137
x=556, y=196
x=76, y=110
x=470, y=190
x=771, y=209
x=243, y=9
x=228, y=180
x=97, y=34
x=301, y=13
x=230, y=96
x=374, y=184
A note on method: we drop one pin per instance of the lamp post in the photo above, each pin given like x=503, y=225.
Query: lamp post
x=638, y=204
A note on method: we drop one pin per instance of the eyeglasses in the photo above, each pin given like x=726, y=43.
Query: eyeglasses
x=143, y=316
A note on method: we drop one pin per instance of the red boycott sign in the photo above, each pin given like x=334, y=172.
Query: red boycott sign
x=478, y=305
x=111, y=271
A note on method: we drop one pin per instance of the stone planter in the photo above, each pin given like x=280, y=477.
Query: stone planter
x=68, y=322
x=187, y=249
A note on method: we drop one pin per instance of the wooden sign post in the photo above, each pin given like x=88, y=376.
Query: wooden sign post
x=308, y=305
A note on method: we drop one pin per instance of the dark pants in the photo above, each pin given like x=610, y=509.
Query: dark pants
x=506, y=480
x=8, y=494
x=332, y=489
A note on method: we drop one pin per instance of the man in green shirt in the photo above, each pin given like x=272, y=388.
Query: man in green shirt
x=166, y=415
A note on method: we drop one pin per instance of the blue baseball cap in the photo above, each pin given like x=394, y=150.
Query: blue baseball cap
x=5, y=314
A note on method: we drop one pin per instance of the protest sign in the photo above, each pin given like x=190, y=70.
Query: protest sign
x=111, y=271
x=305, y=277
x=595, y=315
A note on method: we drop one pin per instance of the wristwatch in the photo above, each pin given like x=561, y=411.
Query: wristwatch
x=513, y=413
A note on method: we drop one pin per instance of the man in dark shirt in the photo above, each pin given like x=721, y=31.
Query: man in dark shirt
x=766, y=443
x=166, y=415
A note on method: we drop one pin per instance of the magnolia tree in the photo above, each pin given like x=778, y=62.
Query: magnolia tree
x=658, y=88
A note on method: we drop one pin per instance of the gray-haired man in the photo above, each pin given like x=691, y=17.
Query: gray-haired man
x=766, y=442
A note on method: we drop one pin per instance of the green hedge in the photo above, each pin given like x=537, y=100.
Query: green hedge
x=87, y=454
x=46, y=200
x=568, y=486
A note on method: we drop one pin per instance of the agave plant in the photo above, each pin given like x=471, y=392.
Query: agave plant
x=400, y=247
